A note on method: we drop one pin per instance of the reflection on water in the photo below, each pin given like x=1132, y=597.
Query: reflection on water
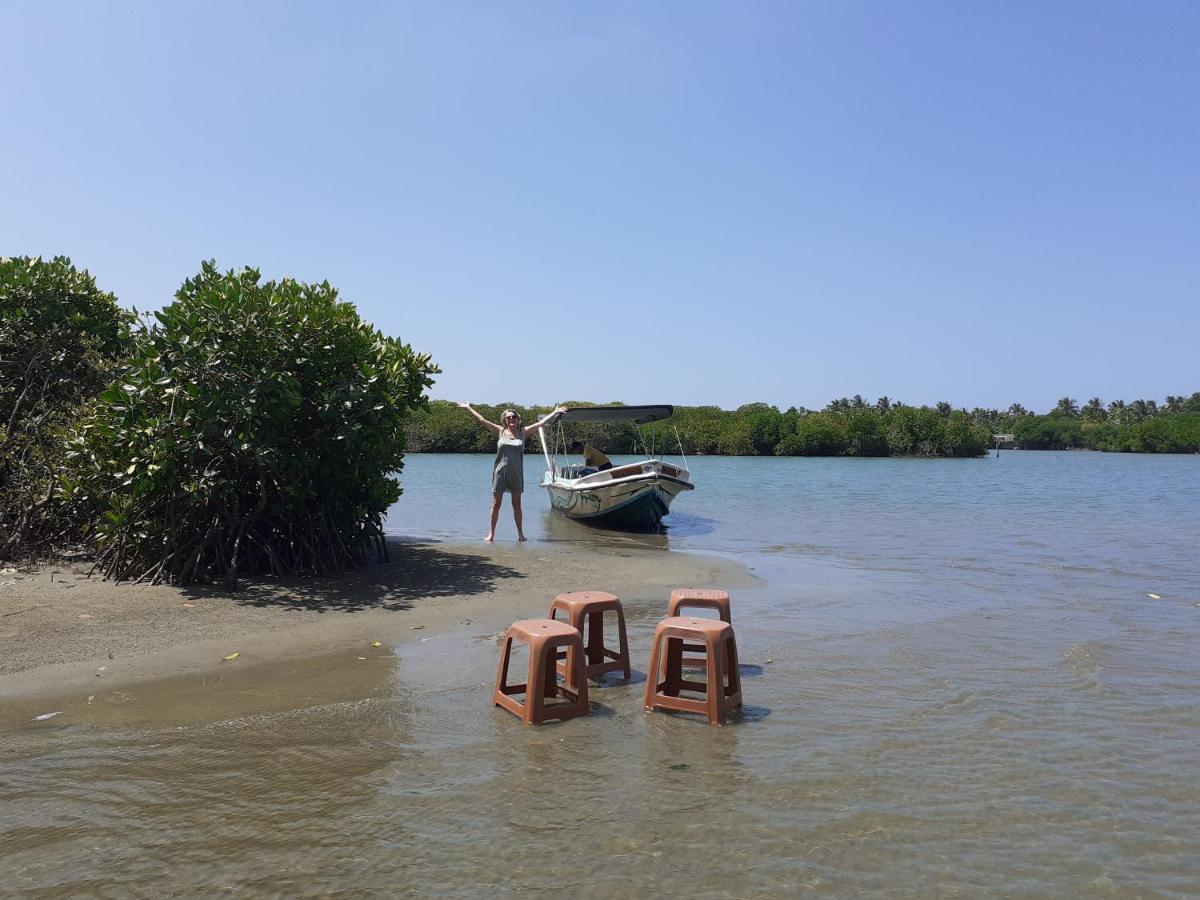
x=993, y=711
x=559, y=529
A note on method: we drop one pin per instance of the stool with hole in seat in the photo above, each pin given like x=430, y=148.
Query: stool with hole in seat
x=547, y=640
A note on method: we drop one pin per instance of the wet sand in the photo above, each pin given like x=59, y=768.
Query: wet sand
x=62, y=632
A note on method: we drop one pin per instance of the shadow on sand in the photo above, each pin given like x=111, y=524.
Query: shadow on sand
x=413, y=571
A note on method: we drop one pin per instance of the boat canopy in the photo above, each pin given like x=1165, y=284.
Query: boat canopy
x=639, y=414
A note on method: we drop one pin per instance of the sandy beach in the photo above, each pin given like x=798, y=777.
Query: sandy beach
x=62, y=631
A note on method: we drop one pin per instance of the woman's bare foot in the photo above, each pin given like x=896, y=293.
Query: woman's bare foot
x=521, y=537
x=491, y=538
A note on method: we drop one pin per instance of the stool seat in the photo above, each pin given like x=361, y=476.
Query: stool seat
x=585, y=611
x=542, y=628
x=700, y=594
x=580, y=599
x=700, y=598
x=547, y=641
x=692, y=626
x=721, y=688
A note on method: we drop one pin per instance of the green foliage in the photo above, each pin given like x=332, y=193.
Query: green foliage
x=817, y=434
x=913, y=430
x=1161, y=434
x=866, y=433
x=60, y=337
x=962, y=438
x=699, y=427
x=854, y=427
x=1052, y=432
x=255, y=428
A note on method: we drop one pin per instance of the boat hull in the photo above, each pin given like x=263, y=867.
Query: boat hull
x=632, y=504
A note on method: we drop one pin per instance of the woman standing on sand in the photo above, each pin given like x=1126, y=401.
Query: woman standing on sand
x=508, y=474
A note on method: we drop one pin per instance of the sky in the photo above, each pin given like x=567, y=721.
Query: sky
x=684, y=202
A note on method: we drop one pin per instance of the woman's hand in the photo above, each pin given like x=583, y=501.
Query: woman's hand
x=559, y=410
x=490, y=426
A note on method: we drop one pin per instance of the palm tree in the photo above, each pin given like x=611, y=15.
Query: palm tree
x=1066, y=407
x=1118, y=412
x=1174, y=404
x=884, y=405
x=988, y=417
x=857, y=402
x=1017, y=410
x=944, y=408
x=1093, y=410
x=838, y=405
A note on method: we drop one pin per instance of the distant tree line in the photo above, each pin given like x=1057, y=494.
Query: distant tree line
x=756, y=429
x=1139, y=426
x=850, y=426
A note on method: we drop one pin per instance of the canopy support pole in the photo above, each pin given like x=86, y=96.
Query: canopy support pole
x=546, y=453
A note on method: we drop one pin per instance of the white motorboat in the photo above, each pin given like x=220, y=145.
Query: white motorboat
x=632, y=496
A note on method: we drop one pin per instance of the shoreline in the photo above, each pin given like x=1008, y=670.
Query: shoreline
x=62, y=632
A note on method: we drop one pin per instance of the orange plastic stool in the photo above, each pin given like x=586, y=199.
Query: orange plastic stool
x=700, y=598
x=545, y=638
x=590, y=607
x=722, y=687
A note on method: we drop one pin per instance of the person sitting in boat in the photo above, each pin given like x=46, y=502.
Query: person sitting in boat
x=508, y=472
x=592, y=457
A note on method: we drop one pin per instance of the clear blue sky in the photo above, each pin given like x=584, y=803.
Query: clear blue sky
x=983, y=202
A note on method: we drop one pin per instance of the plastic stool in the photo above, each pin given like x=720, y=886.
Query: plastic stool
x=590, y=607
x=722, y=687
x=545, y=638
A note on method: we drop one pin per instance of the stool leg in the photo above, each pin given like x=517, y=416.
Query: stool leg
x=568, y=670
x=715, y=695
x=549, y=666
x=533, y=686
x=623, y=638
x=537, y=690
x=652, y=673
x=674, y=674
x=579, y=678
x=595, y=640
x=735, y=675
x=502, y=669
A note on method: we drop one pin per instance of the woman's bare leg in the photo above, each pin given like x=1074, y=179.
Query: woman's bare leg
x=496, y=498
x=516, y=502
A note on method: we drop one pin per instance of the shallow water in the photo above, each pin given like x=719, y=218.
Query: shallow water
x=956, y=683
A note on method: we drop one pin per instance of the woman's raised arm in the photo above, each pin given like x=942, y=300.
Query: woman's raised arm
x=491, y=426
x=546, y=419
